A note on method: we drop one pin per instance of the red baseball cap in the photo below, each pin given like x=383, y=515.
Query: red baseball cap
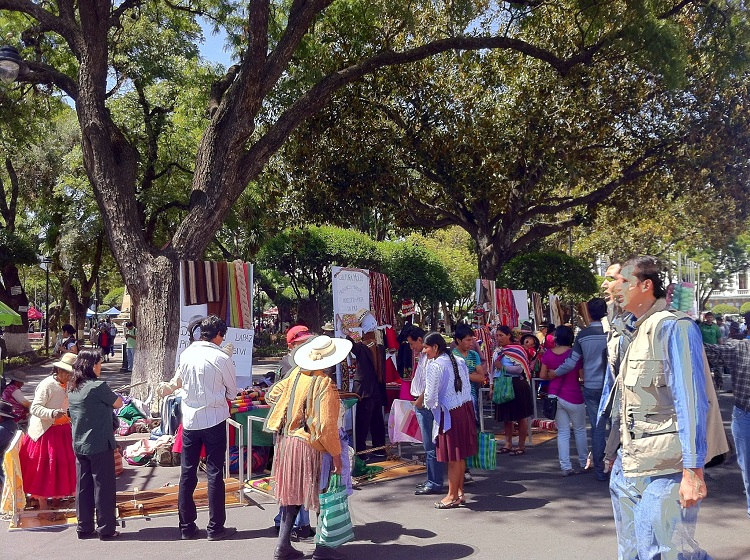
x=297, y=334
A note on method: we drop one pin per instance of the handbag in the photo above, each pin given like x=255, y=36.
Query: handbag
x=502, y=389
x=486, y=457
x=334, y=522
x=549, y=407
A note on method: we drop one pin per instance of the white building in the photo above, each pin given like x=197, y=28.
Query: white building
x=735, y=292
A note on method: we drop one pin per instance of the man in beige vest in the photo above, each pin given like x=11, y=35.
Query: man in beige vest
x=666, y=415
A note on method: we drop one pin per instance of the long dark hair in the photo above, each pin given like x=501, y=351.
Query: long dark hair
x=83, y=368
x=436, y=339
x=505, y=329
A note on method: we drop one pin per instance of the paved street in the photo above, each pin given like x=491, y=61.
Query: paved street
x=522, y=511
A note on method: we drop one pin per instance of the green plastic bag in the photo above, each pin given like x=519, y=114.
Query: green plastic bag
x=486, y=457
x=502, y=390
x=334, y=522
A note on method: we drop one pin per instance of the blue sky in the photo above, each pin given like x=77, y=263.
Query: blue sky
x=213, y=47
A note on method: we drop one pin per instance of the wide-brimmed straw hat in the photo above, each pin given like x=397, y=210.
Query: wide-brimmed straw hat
x=16, y=376
x=328, y=327
x=66, y=362
x=321, y=352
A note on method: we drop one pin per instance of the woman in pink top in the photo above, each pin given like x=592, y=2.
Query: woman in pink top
x=570, y=407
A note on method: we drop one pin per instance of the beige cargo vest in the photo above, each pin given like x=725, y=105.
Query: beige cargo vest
x=649, y=431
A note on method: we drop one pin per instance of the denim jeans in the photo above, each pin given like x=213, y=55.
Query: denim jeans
x=567, y=414
x=650, y=523
x=302, y=520
x=591, y=398
x=434, y=468
x=741, y=434
x=130, y=354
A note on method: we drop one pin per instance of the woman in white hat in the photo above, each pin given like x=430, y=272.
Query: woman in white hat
x=48, y=465
x=304, y=432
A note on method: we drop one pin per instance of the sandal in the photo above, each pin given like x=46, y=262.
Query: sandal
x=517, y=452
x=449, y=505
x=505, y=450
x=462, y=499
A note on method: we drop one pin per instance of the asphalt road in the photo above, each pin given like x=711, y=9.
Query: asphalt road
x=522, y=511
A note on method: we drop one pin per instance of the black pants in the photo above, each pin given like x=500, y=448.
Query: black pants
x=215, y=440
x=369, y=420
x=95, y=491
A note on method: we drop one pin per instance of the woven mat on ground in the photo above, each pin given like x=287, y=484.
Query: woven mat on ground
x=164, y=500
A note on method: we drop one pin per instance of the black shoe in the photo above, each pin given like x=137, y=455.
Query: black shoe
x=190, y=534
x=276, y=529
x=421, y=485
x=110, y=537
x=424, y=490
x=287, y=553
x=303, y=533
x=83, y=535
x=226, y=533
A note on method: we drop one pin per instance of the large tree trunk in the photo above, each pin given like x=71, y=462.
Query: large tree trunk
x=308, y=311
x=16, y=336
x=157, y=319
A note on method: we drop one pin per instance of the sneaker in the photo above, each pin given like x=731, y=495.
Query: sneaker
x=569, y=472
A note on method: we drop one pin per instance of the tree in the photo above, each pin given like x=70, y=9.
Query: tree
x=550, y=272
x=724, y=309
x=304, y=257
x=293, y=56
x=506, y=148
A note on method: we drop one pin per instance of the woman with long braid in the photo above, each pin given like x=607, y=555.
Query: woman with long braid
x=448, y=395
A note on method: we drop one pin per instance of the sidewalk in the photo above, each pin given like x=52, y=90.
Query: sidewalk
x=522, y=511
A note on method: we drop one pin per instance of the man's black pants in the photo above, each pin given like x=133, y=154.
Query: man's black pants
x=369, y=420
x=215, y=441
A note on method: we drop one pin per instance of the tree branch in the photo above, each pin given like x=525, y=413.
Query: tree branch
x=40, y=73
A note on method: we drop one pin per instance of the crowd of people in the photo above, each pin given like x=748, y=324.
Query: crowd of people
x=639, y=372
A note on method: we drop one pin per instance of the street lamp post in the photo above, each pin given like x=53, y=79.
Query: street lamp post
x=11, y=64
x=46, y=261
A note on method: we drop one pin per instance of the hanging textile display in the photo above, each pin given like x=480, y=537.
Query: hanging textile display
x=536, y=305
x=485, y=291
x=555, y=310
x=381, y=302
x=224, y=289
x=505, y=304
x=486, y=344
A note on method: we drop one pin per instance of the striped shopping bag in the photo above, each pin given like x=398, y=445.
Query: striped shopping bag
x=486, y=457
x=334, y=522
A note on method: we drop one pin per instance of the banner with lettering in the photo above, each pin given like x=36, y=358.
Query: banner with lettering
x=240, y=338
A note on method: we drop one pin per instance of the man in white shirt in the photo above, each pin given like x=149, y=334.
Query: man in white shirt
x=206, y=373
x=435, y=469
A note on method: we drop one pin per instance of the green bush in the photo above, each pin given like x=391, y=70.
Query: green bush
x=724, y=309
x=745, y=308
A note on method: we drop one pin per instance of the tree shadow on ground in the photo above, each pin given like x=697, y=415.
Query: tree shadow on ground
x=385, y=531
x=444, y=551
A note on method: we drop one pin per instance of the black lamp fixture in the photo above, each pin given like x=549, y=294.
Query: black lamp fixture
x=11, y=64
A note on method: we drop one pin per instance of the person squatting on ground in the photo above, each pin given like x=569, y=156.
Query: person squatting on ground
x=303, y=434
x=448, y=394
x=91, y=403
x=661, y=410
